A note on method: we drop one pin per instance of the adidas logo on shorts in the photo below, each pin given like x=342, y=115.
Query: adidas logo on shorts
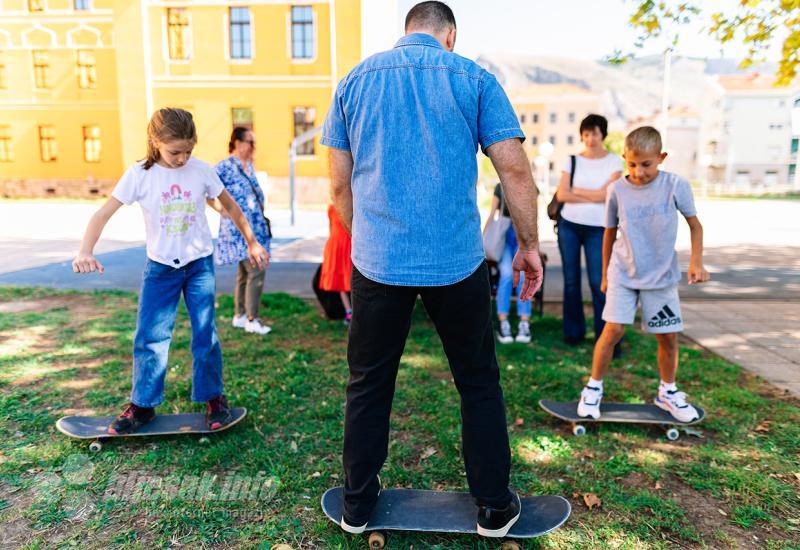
x=664, y=318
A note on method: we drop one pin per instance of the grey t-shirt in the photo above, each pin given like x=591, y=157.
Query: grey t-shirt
x=644, y=254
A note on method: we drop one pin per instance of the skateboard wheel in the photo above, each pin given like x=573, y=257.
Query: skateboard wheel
x=96, y=446
x=377, y=540
x=579, y=430
x=673, y=434
x=510, y=545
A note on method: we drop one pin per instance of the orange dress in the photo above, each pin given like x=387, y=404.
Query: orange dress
x=336, y=263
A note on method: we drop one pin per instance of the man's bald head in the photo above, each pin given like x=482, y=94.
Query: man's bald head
x=431, y=16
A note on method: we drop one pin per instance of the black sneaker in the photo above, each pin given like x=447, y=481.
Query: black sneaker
x=131, y=419
x=497, y=522
x=218, y=413
x=352, y=526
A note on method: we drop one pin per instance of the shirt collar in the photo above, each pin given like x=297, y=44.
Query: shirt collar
x=418, y=39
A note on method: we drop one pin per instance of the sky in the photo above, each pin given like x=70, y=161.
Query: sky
x=583, y=29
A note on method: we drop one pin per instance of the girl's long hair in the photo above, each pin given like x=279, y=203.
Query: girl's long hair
x=167, y=125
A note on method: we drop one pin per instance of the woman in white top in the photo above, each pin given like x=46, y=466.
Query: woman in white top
x=581, y=224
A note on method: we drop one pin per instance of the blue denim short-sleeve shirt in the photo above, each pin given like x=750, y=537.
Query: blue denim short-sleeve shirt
x=413, y=118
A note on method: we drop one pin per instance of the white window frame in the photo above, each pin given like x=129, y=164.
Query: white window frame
x=226, y=32
x=314, y=33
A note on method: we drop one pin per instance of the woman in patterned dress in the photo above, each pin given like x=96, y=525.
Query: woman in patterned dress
x=239, y=177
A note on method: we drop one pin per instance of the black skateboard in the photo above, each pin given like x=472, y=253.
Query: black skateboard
x=95, y=427
x=628, y=413
x=446, y=512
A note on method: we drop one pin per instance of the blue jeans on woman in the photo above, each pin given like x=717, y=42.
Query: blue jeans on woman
x=506, y=282
x=162, y=286
x=571, y=237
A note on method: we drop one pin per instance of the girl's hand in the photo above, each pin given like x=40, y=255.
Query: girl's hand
x=697, y=274
x=86, y=263
x=258, y=255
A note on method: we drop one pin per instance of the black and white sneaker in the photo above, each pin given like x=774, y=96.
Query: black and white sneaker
x=504, y=335
x=356, y=527
x=497, y=522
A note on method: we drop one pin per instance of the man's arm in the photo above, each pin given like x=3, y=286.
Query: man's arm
x=511, y=163
x=341, y=169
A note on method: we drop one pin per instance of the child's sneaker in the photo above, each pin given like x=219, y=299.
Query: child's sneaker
x=218, y=413
x=674, y=402
x=256, y=327
x=504, y=334
x=239, y=321
x=589, y=404
x=523, y=333
x=131, y=419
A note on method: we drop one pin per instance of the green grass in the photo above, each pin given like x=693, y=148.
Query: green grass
x=76, y=355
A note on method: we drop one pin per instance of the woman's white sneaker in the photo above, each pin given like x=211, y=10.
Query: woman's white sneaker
x=239, y=321
x=589, y=403
x=256, y=327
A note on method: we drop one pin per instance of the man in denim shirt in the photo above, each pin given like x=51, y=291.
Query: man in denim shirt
x=404, y=129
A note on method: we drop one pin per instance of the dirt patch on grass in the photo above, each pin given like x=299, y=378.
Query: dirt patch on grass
x=37, y=306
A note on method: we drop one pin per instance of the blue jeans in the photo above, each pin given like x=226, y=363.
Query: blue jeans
x=505, y=284
x=158, y=304
x=571, y=237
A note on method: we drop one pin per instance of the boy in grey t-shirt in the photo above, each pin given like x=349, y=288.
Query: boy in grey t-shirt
x=642, y=265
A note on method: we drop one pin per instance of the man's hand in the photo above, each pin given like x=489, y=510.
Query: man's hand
x=258, y=255
x=86, y=263
x=697, y=274
x=530, y=263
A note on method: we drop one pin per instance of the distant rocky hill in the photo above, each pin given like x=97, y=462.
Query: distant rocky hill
x=628, y=91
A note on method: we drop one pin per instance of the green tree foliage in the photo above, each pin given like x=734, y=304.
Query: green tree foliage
x=755, y=23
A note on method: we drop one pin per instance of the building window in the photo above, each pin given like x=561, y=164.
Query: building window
x=570, y=140
x=47, y=144
x=240, y=33
x=82, y=5
x=553, y=118
x=302, y=32
x=793, y=173
x=36, y=5
x=6, y=155
x=178, y=33
x=794, y=145
x=536, y=118
x=552, y=140
x=41, y=70
x=534, y=140
x=242, y=116
x=91, y=143
x=3, y=81
x=87, y=70
x=303, y=122
x=571, y=118
x=522, y=119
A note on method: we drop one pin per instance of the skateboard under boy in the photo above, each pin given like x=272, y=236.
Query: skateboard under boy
x=96, y=427
x=628, y=413
x=447, y=512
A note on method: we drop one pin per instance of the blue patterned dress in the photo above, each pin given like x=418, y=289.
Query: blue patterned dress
x=231, y=247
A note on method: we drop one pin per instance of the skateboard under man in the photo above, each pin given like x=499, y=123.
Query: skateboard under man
x=96, y=428
x=628, y=413
x=447, y=512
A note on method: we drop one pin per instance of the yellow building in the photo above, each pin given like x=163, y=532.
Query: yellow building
x=80, y=78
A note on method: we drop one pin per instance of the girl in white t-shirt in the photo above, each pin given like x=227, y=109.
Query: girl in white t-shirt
x=172, y=189
x=581, y=224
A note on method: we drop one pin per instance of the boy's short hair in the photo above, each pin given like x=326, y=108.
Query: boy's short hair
x=594, y=121
x=645, y=139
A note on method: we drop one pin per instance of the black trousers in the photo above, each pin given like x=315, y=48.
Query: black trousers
x=381, y=320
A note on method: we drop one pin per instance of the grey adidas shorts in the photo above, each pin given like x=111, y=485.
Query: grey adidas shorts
x=661, y=308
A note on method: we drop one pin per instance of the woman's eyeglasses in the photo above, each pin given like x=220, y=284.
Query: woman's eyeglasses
x=251, y=142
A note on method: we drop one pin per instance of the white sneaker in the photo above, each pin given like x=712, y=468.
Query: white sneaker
x=589, y=404
x=239, y=321
x=504, y=334
x=256, y=327
x=523, y=333
x=674, y=402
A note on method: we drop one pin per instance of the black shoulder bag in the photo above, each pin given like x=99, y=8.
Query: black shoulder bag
x=555, y=206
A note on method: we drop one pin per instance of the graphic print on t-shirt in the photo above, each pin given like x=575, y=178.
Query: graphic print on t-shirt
x=178, y=211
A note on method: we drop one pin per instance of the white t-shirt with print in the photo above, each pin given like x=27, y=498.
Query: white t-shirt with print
x=590, y=174
x=173, y=202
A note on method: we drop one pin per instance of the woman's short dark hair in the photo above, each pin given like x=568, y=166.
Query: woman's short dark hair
x=238, y=134
x=595, y=121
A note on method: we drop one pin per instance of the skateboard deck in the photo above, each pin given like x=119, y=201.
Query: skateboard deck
x=629, y=413
x=95, y=427
x=448, y=512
